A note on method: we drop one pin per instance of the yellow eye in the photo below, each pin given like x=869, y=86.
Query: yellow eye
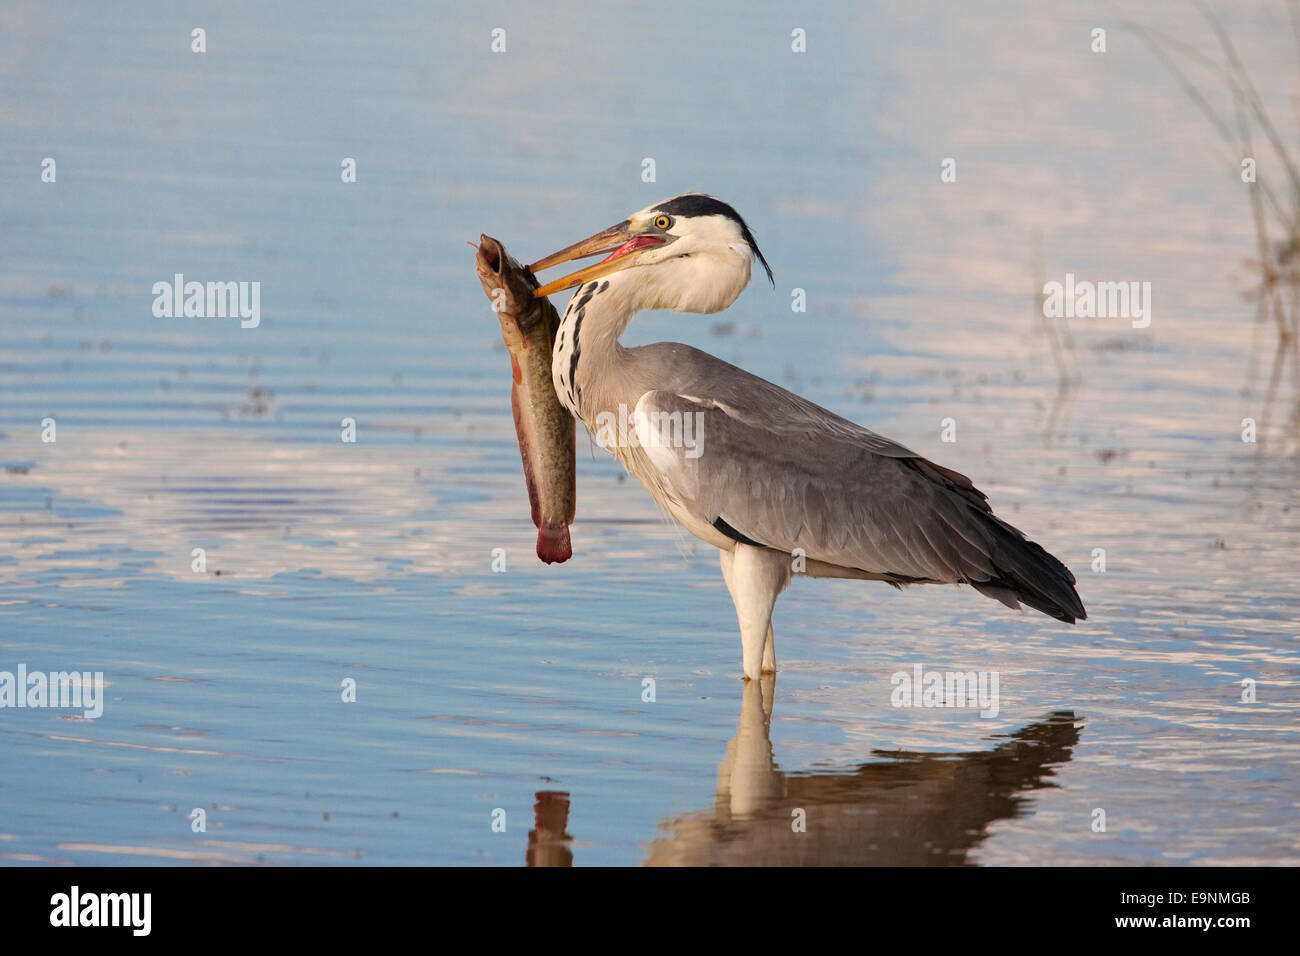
x=663, y=222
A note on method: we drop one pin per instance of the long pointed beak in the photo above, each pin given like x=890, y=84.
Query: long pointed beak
x=619, y=241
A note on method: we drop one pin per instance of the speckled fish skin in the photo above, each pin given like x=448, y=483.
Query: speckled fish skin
x=544, y=427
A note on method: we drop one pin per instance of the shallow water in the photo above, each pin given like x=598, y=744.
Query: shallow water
x=523, y=691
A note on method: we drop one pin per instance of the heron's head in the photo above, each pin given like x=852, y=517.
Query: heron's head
x=690, y=253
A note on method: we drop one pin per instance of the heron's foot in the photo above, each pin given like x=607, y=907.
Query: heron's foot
x=768, y=669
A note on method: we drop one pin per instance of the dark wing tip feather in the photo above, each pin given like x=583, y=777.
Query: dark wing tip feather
x=1023, y=569
x=1036, y=577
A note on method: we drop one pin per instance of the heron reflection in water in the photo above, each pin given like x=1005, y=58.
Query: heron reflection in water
x=900, y=809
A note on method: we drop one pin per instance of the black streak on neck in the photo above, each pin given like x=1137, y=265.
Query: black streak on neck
x=578, y=310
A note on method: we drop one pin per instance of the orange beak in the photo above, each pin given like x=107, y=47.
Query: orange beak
x=619, y=241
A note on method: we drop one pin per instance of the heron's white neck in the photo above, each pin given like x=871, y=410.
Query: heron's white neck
x=587, y=366
x=586, y=361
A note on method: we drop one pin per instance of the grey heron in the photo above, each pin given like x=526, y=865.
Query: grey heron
x=776, y=482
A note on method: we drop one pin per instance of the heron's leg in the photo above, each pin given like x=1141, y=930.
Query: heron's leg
x=724, y=558
x=755, y=577
x=769, y=652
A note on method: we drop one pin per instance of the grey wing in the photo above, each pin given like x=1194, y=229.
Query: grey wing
x=794, y=475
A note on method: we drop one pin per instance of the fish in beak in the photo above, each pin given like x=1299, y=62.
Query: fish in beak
x=544, y=427
x=619, y=241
